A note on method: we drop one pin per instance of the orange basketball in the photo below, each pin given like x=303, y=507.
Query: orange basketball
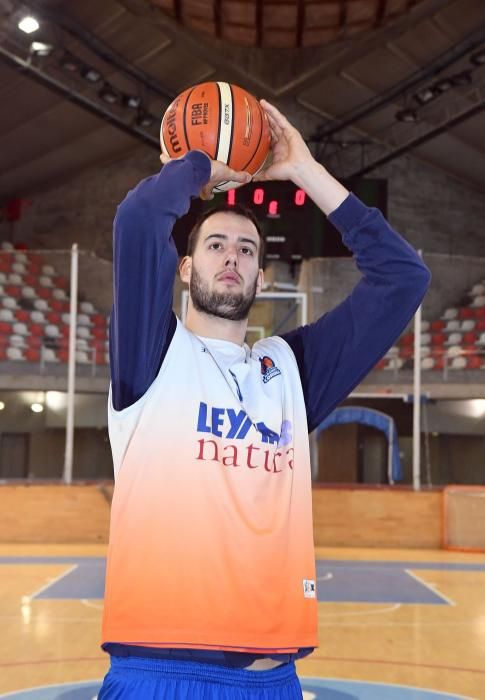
x=221, y=119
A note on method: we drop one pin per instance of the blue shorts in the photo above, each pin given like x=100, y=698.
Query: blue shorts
x=135, y=678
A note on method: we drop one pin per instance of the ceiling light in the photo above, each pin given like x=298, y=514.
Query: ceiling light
x=144, y=118
x=2, y=405
x=463, y=78
x=28, y=25
x=91, y=74
x=108, y=94
x=39, y=48
x=131, y=101
x=426, y=95
x=37, y=407
x=407, y=115
x=478, y=59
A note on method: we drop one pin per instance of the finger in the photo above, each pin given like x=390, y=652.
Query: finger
x=276, y=115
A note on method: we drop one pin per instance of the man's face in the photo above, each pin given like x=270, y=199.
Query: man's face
x=223, y=273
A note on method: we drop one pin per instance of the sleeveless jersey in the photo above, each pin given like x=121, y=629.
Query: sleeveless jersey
x=211, y=539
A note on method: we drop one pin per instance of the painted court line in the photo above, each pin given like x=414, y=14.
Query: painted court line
x=430, y=587
x=53, y=581
x=358, y=613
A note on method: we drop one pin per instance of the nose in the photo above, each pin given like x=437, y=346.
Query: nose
x=231, y=258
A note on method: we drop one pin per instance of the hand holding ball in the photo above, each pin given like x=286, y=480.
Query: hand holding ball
x=224, y=121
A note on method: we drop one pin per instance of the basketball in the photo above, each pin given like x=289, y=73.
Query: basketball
x=221, y=119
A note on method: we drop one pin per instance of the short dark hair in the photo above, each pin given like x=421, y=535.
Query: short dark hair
x=237, y=209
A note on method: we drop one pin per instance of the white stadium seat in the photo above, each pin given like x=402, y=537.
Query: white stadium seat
x=425, y=338
x=59, y=294
x=48, y=270
x=66, y=318
x=37, y=317
x=49, y=355
x=394, y=363
x=458, y=363
x=17, y=341
x=52, y=331
x=20, y=328
x=3, y=278
x=15, y=354
x=13, y=278
x=6, y=315
x=452, y=326
x=83, y=332
x=9, y=303
x=481, y=340
x=45, y=281
x=21, y=258
x=425, y=326
x=454, y=351
x=82, y=357
x=450, y=314
x=427, y=363
x=392, y=352
x=28, y=293
x=19, y=268
x=6, y=245
x=477, y=290
x=83, y=320
x=467, y=325
x=478, y=301
x=82, y=344
x=86, y=307
x=454, y=339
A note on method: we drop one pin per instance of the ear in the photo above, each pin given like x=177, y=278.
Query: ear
x=260, y=282
x=185, y=269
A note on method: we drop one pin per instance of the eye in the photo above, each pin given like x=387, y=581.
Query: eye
x=247, y=251
x=213, y=246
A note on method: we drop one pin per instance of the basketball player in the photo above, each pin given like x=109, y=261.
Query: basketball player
x=211, y=586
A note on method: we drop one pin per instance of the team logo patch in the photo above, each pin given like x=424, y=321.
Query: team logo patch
x=309, y=588
x=268, y=369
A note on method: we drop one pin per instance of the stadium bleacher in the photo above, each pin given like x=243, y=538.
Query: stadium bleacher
x=35, y=318
x=456, y=341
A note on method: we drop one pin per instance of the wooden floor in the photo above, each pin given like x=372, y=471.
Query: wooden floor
x=371, y=627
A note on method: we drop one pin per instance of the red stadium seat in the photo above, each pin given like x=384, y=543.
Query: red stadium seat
x=36, y=329
x=407, y=339
x=44, y=292
x=22, y=315
x=474, y=362
x=30, y=280
x=54, y=317
x=480, y=312
x=437, y=325
x=32, y=354
x=466, y=312
x=469, y=338
x=99, y=319
x=438, y=338
x=13, y=291
x=5, y=328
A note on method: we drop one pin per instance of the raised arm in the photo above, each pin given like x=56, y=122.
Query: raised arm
x=145, y=262
x=337, y=351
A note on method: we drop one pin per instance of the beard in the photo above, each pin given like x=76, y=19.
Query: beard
x=233, y=306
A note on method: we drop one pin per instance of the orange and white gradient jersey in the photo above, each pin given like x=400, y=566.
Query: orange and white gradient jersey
x=211, y=542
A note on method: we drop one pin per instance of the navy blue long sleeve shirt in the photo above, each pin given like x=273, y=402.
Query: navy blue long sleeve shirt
x=333, y=354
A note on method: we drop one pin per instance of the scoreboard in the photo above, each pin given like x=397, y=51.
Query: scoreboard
x=294, y=227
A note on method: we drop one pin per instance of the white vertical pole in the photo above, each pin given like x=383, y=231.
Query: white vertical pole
x=417, y=399
x=71, y=371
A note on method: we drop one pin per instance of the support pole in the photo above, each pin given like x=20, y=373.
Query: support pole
x=71, y=371
x=417, y=399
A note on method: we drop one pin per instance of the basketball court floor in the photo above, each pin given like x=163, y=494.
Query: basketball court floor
x=393, y=625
